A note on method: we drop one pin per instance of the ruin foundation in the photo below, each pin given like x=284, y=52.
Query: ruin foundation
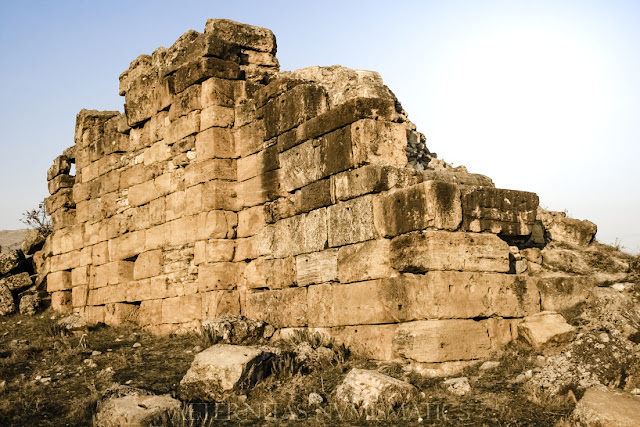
x=304, y=199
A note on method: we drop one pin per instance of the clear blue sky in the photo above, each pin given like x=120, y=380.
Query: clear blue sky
x=541, y=96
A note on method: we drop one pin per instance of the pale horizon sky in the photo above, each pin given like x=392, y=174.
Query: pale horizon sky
x=540, y=96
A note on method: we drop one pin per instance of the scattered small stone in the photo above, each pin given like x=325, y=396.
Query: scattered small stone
x=458, y=386
x=38, y=377
x=90, y=363
x=315, y=399
x=635, y=391
x=96, y=353
x=603, y=337
x=128, y=382
x=3, y=386
x=197, y=349
x=136, y=345
x=45, y=380
x=118, y=340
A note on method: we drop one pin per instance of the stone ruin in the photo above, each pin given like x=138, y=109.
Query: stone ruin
x=305, y=199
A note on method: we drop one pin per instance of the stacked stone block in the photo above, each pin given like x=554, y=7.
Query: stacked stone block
x=229, y=188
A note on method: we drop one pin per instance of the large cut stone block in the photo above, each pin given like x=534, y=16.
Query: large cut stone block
x=221, y=117
x=215, y=142
x=148, y=264
x=372, y=389
x=281, y=308
x=545, y=329
x=250, y=138
x=293, y=108
x=443, y=250
x=431, y=204
x=219, y=92
x=204, y=171
x=270, y=273
x=262, y=188
x=372, y=179
x=251, y=221
x=200, y=70
x=258, y=163
x=219, y=276
x=352, y=221
x=437, y=294
x=431, y=341
x=127, y=245
x=317, y=267
x=220, y=303
x=365, y=261
x=300, y=165
x=247, y=36
x=182, y=309
x=215, y=250
x=59, y=281
x=498, y=211
x=301, y=234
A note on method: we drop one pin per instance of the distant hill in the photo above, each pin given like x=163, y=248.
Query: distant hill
x=12, y=239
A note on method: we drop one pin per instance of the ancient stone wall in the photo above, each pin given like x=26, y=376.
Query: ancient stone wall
x=304, y=198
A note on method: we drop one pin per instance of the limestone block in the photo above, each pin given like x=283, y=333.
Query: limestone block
x=7, y=306
x=280, y=208
x=225, y=369
x=262, y=244
x=317, y=267
x=572, y=231
x=262, y=188
x=149, y=190
x=10, y=261
x=603, y=406
x=80, y=276
x=250, y=138
x=136, y=174
x=127, y=245
x=182, y=127
x=61, y=301
x=112, y=273
x=204, y=171
x=560, y=293
x=215, y=115
x=219, y=276
x=148, y=264
x=60, y=182
x=17, y=281
x=544, y=329
x=120, y=313
x=442, y=250
x=251, y=221
x=158, y=152
x=372, y=389
x=365, y=261
x=351, y=221
x=506, y=212
x=184, y=203
x=372, y=179
x=220, y=195
x=92, y=314
x=300, y=165
x=135, y=410
x=59, y=281
x=258, y=163
x=215, y=142
x=202, y=69
x=430, y=204
x=215, y=250
x=157, y=211
x=216, y=225
x=150, y=312
x=61, y=165
x=182, y=309
x=280, y=308
x=294, y=107
x=193, y=44
x=437, y=294
x=62, y=199
x=220, y=303
x=218, y=92
x=313, y=196
x=301, y=234
x=80, y=191
x=247, y=36
x=270, y=273
x=185, y=102
x=431, y=341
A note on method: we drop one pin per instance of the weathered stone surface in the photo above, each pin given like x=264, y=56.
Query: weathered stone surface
x=317, y=267
x=441, y=250
x=17, y=281
x=545, y=329
x=10, y=261
x=429, y=204
x=372, y=179
x=437, y=294
x=365, y=261
x=281, y=308
x=458, y=386
x=568, y=230
x=369, y=389
x=202, y=69
x=247, y=36
x=135, y=408
x=602, y=406
x=270, y=273
x=559, y=293
x=62, y=301
x=224, y=369
x=352, y=221
x=506, y=212
x=7, y=305
x=236, y=329
x=33, y=242
x=30, y=303
x=301, y=234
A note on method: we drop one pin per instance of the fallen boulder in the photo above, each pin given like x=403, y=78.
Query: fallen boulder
x=7, y=306
x=30, y=303
x=545, y=329
x=224, y=369
x=366, y=389
x=236, y=329
x=133, y=407
x=10, y=261
x=17, y=282
x=602, y=406
x=458, y=386
x=33, y=242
